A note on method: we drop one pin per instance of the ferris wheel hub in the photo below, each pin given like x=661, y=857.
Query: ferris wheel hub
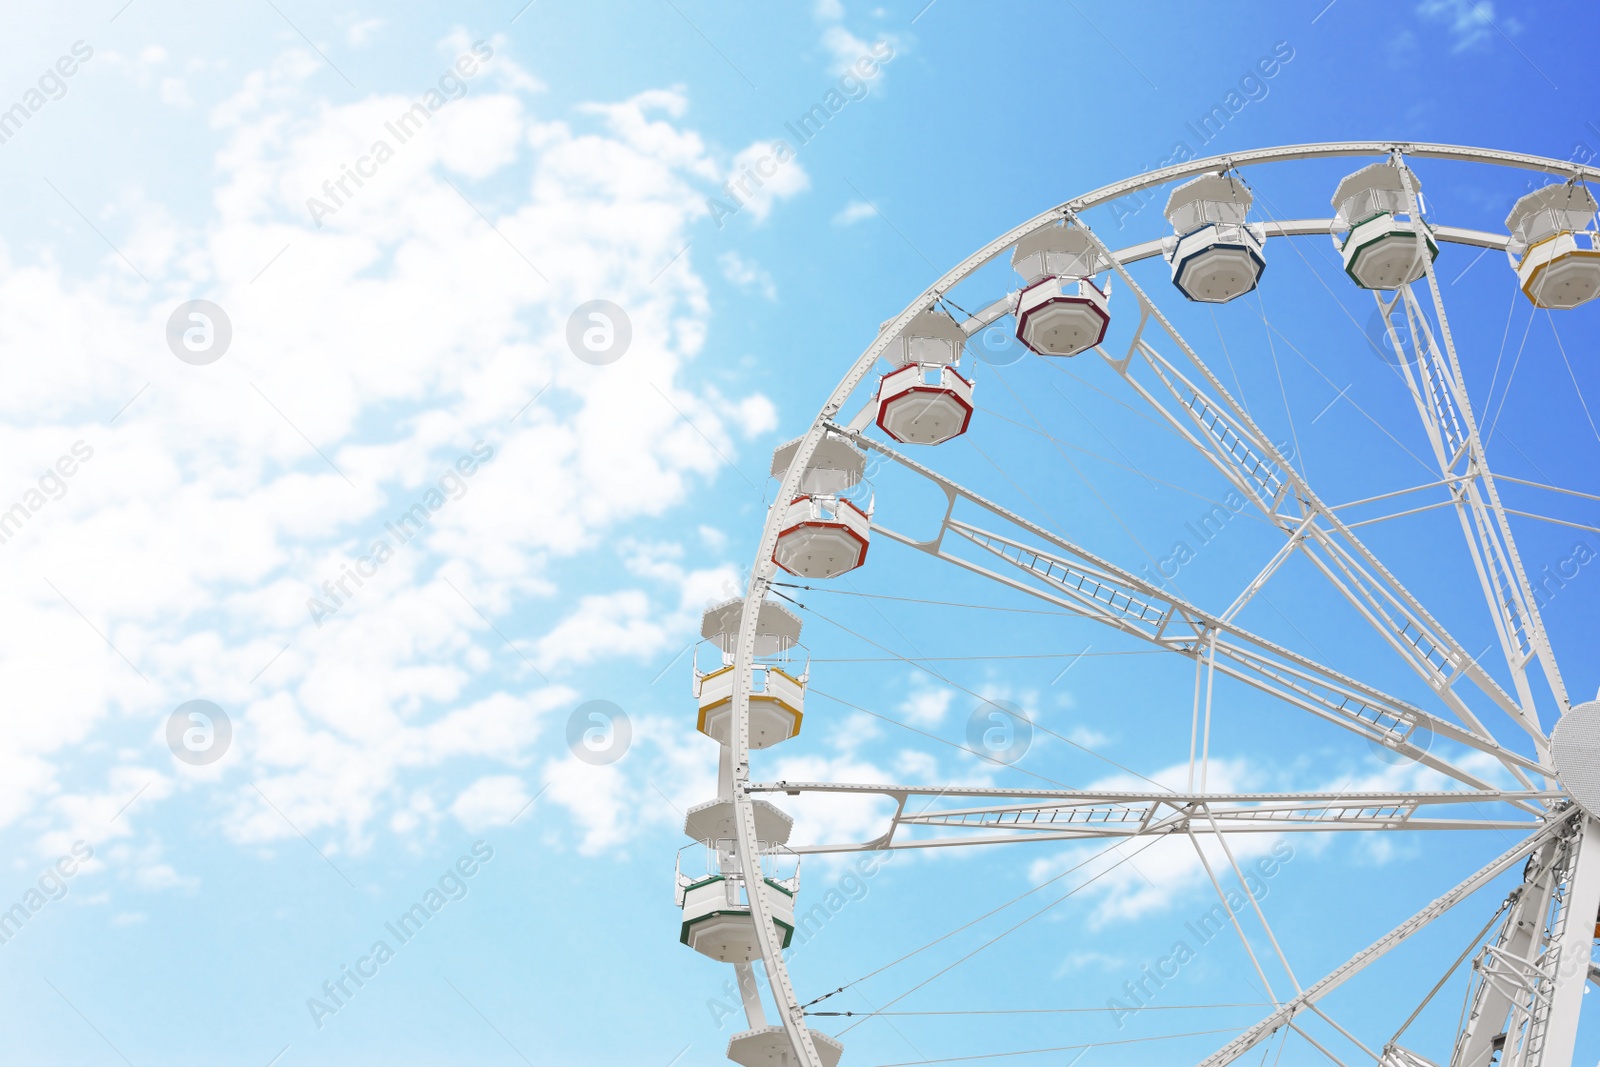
x=1575, y=746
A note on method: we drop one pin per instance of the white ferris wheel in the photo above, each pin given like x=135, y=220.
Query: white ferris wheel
x=1506, y=707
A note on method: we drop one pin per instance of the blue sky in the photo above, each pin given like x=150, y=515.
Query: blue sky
x=413, y=342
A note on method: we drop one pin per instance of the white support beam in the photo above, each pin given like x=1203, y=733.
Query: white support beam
x=1439, y=391
x=1285, y=1014
x=1219, y=428
x=1552, y=1038
x=1065, y=815
x=1120, y=599
x=1082, y=582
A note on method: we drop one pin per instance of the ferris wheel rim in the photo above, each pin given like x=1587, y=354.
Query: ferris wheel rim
x=746, y=848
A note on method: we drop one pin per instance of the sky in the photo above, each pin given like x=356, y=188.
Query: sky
x=306, y=417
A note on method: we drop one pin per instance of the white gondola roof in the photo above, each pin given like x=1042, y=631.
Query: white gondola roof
x=1216, y=188
x=1377, y=176
x=777, y=628
x=1574, y=201
x=1069, y=239
x=931, y=336
x=935, y=323
x=1057, y=250
x=835, y=466
x=712, y=822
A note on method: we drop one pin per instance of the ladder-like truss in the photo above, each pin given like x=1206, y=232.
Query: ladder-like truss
x=1074, y=579
x=1074, y=814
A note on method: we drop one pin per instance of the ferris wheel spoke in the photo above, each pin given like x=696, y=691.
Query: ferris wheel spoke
x=1319, y=1046
x=1072, y=578
x=1075, y=814
x=1120, y=601
x=1439, y=392
x=1346, y=1034
x=1255, y=904
x=1216, y=426
x=1286, y=1013
x=1233, y=918
x=1531, y=979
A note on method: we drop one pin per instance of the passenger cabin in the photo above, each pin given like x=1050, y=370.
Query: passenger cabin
x=1214, y=253
x=823, y=534
x=778, y=675
x=1380, y=247
x=1553, y=246
x=924, y=400
x=716, y=904
x=1060, y=311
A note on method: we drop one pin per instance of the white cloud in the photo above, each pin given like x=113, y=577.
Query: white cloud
x=835, y=818
x=845, y=48
x=618, y=625
x=1087, y=737
x=1078, y=961
x=493, y=800
x=1470, y=22
x=1139, y=877
x=761, y=175
x=853, y=212
x=175, y=92
x=1135, y=878
x=747, y=275
x=361, y=32
x=669, y=767
x=753, y=414
x=396, y=336
x=925, y=705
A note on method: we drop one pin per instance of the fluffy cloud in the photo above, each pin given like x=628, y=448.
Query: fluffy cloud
x=1470, y=22
x=763, y=174
x=853, y=212
x=925, y=704
x=395, y=322
x=1136, y=878
x=746, y=274
x=844, y=47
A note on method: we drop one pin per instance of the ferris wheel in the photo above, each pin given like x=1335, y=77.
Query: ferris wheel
x=1515, y=752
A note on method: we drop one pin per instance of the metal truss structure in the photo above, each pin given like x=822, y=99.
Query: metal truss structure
x=1529, y=975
